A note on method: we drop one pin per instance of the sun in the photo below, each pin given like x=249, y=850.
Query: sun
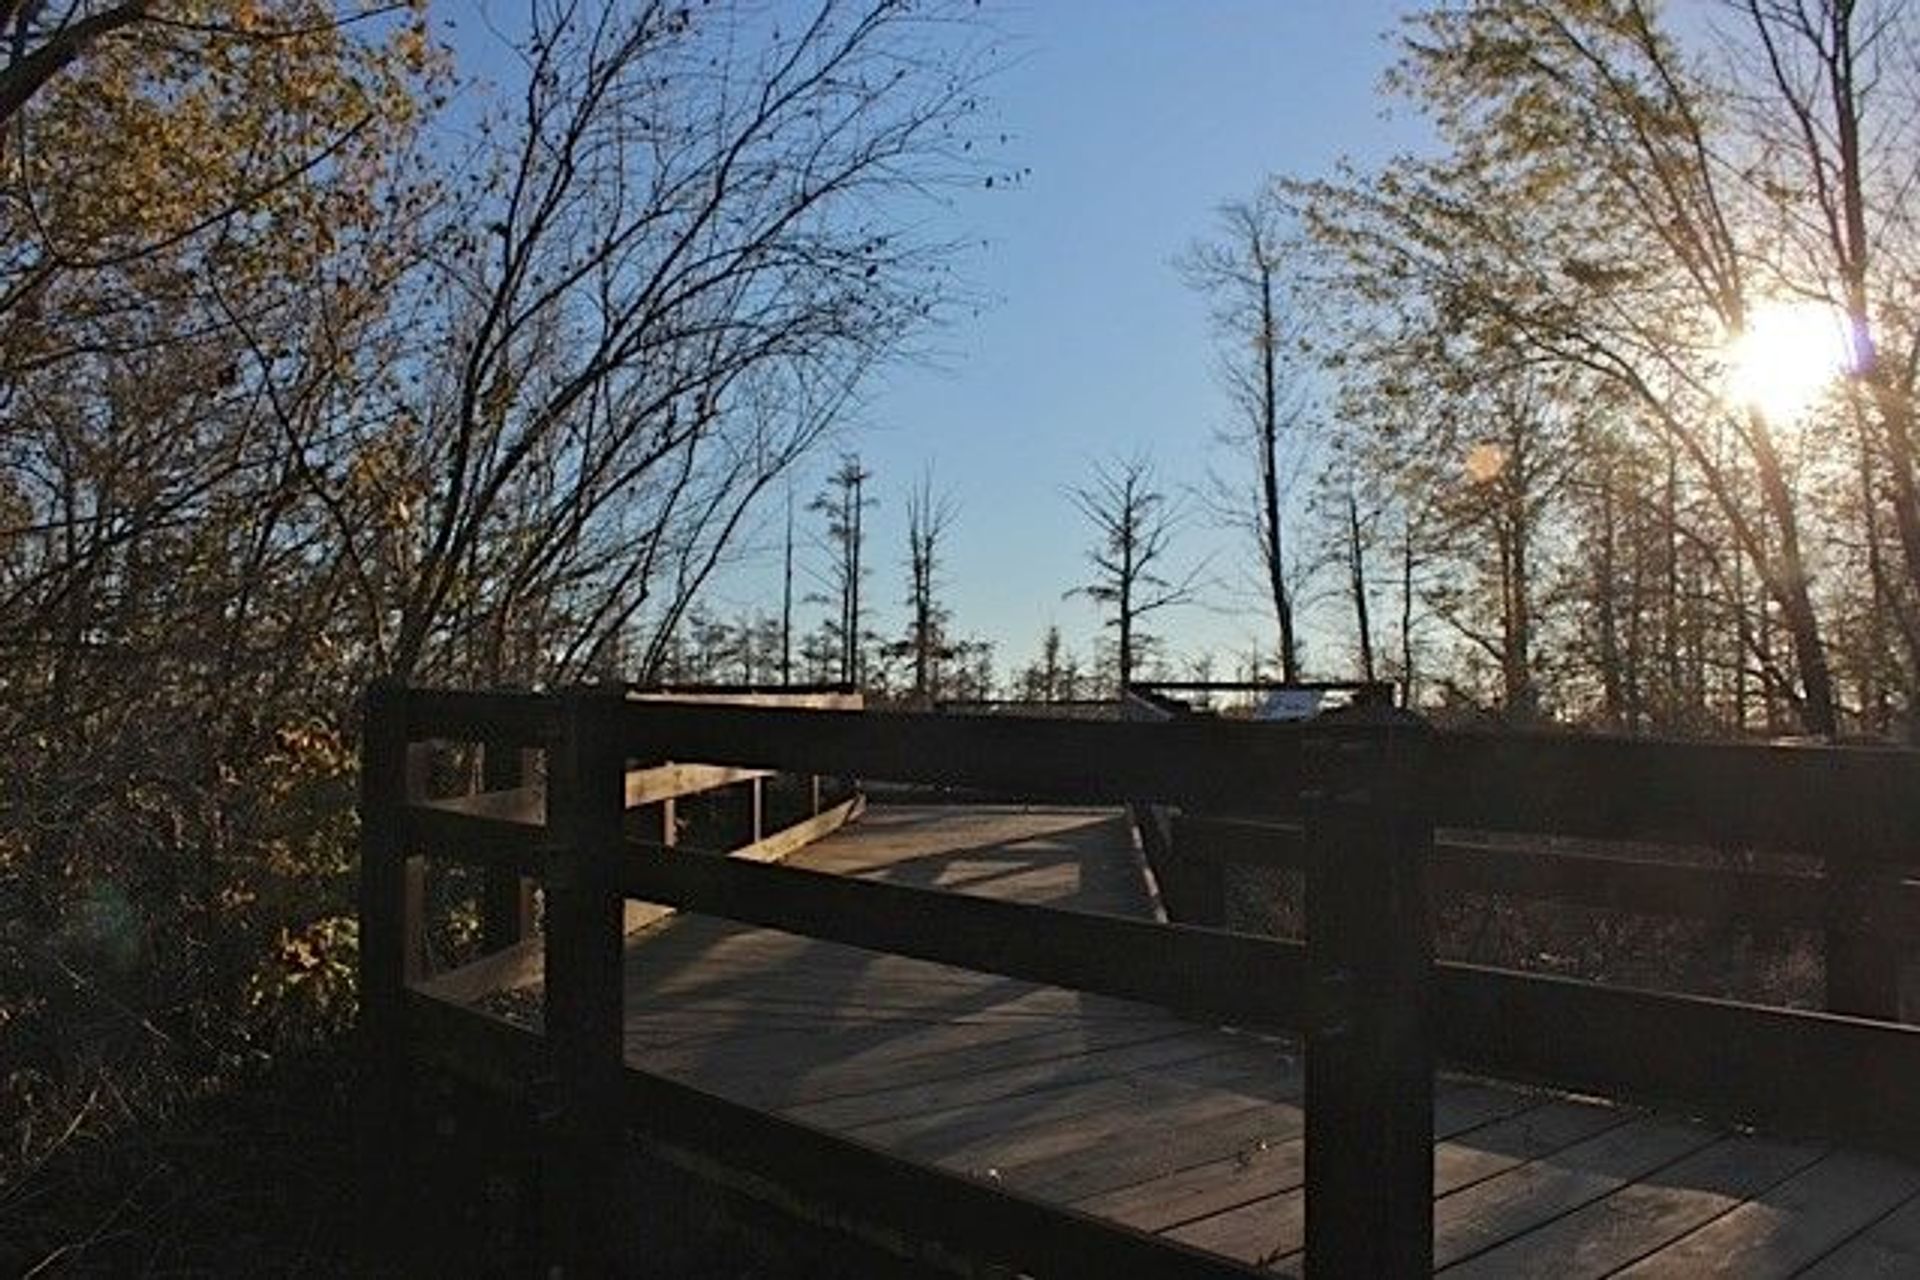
x=1787, y=357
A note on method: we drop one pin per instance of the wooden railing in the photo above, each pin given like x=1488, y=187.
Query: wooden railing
x=1850, y=816
x=512, y=802
x=1755, y=835
x=1360, y=993
x=1352, y=800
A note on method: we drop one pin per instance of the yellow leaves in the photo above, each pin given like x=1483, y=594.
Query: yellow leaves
x=311, y=966
x=264, y=114
x=299, y=953
x=411, y=46
x=1486, y=461
x=235, y=897
x=308, y=750
x=246, y=16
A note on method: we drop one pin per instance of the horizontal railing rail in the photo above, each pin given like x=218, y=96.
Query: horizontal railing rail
x=1854, y=810
x=1228, y=977
x=1253, y=768
x=1642, y=882
x=1801, y=1073
x=1857, y=804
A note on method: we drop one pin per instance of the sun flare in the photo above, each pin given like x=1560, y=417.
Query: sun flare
x=1787, y=357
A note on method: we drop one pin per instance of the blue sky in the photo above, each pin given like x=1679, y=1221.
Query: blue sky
x=1136, y=119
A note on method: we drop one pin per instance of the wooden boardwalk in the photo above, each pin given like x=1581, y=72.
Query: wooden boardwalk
x=1134, y=1115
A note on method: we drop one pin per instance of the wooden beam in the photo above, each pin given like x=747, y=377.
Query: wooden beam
x=1757, y=898
x=1863, y=954
x=757, y=810
x=413, y=911
x=1231, y=977
x=1801, y=1072
x=522, y=719
x=584, y=991
x=385, y=1103
x=1197, y=763
x=528, y=804
x=1854, y=803
x=523, y=806
x=474, y=1046
x=726, y=696
x=522, y=966
x=507, y=901
x=670, y=781
x=839, y=1181
x=445, y=829
x=831, y=1179
x=1370, y=1050
x=1193, y=890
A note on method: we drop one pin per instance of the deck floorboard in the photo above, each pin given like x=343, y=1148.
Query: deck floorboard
x=1132, y=1114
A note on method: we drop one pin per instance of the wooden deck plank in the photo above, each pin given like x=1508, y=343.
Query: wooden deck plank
x=1488, y=1212
x=1890, y=1247
x=1262, y=1170
x=1093, y=1131
x=1147, y=1119
x=1642, y=1218
x=991, y=1130
x=1143, y=1152
x=1271, y=1228
x=1791, y=1225
x=989, y=1083
x=791, y=1068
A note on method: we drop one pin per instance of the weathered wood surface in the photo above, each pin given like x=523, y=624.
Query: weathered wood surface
x=1195, y=1133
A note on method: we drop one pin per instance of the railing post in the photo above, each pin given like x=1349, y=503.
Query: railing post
x=1862, y=962
x=506, y=898
x=384, y=965
x=1206, y=878
x=1369, y=1124
x=586, y=800
x=416, y=778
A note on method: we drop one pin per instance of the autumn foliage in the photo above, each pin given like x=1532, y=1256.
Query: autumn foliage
x=322, y=356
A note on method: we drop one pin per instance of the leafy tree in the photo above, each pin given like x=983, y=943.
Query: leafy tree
x=303, y=381
x=201, y=209
x=1603, y=209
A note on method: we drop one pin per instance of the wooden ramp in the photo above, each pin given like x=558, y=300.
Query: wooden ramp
x=1137, y=1116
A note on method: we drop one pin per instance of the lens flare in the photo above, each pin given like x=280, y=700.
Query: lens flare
x=1788, y=356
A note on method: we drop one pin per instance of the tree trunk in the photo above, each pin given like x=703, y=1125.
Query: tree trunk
x=1273, y=546
x=1357, y=573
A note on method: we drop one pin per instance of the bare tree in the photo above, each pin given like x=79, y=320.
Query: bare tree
x=663, y=301
x=844, y=506
x=1239, y=272
x=786, y=596
x=930, y=513
x=1134, y=521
